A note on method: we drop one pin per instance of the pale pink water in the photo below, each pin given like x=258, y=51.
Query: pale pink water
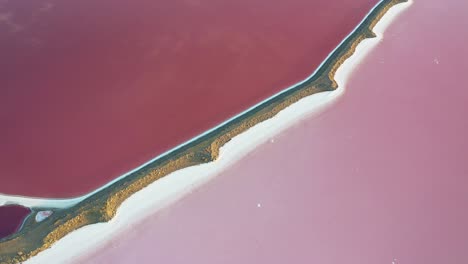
x=378, y=178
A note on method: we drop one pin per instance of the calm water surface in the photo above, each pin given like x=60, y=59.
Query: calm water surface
x=11, y=219
x=93, y=88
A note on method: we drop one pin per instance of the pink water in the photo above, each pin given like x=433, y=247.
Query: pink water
x=11, y=219
x=378, y=178
x=91, y=89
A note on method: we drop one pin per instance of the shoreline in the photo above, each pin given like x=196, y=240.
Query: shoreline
x=6, y=199
x=30, y=201
x=102, y=206
x=168, y=190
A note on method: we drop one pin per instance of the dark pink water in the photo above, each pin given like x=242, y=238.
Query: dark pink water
x=93, y=88
x=378, y=178
x=11, y=219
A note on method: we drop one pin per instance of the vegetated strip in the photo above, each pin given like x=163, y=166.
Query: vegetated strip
x=102, y=206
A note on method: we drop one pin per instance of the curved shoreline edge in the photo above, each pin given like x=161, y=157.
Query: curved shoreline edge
x=102, y=205
x=31, y=201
